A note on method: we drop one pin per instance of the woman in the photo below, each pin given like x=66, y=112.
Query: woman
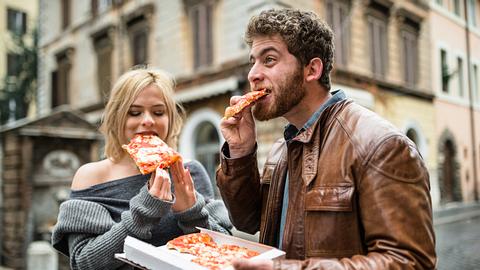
x=110, y=199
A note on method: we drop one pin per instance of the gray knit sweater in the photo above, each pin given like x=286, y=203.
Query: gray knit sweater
x=93, y=223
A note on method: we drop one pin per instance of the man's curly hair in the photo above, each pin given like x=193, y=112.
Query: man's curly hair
x=305, y=34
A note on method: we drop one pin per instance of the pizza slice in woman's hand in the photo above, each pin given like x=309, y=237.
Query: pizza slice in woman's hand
x=150, y=152
x=244, y=101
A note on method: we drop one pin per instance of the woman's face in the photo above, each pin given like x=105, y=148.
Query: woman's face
x=147, y=114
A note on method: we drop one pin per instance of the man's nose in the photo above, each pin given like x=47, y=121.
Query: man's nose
x=255, y=74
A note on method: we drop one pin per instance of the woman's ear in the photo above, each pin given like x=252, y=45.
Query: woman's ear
x=313, y=71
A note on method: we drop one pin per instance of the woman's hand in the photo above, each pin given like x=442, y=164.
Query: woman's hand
x=184, y=189
x=160, y=185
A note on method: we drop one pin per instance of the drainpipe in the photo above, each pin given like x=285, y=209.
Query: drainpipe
x=471, y=102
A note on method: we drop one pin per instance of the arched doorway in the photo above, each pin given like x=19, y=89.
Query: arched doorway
x=201, y=140
x=207, y=148
x=449, y=177
x=412, y=135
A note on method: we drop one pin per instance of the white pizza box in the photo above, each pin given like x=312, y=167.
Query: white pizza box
x=146, y=256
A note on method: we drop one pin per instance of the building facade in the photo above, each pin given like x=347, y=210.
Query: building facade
x=455, y=66
x=385, y=51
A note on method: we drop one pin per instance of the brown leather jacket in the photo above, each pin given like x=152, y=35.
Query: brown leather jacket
x=358, y=195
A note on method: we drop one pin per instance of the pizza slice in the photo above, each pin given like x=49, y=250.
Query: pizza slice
x=244, y=101
x=194, y=243
x=150, y=152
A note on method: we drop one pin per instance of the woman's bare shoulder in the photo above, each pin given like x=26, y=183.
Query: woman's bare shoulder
x=91, y=174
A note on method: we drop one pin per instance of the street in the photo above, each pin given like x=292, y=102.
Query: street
x=458, y=245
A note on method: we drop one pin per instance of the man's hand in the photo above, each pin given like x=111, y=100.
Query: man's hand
x=253, y=265
x=239, y=131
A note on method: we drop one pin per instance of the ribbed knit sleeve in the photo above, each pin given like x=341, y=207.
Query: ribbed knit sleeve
x=86, y=232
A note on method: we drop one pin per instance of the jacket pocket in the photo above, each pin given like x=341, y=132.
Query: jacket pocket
x=331, y=226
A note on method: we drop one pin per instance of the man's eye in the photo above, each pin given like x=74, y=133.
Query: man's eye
x=269, y=60
x=134, y=113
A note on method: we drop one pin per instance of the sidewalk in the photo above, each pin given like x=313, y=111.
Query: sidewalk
x=455, y=212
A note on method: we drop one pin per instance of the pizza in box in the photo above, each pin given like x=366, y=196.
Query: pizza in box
x=207, y=252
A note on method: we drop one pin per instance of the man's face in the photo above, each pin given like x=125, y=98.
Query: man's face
x=275, y=69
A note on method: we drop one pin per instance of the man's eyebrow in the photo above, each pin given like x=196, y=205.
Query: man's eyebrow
x=263, y=51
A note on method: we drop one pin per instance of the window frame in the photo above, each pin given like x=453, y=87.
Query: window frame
x=202, y=32
x=341, y=26
x=16, y=21
x=376, y=20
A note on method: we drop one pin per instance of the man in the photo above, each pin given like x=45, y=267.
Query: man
x=343, y=189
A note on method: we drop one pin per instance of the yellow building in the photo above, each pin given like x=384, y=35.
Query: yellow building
x=16, y=17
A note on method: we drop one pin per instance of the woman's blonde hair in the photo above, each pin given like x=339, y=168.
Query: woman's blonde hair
x=124, y=92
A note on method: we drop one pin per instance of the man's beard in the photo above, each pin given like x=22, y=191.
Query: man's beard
x=288, y=95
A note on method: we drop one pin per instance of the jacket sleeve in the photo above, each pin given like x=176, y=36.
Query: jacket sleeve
x=239, y=183
x=395, y=211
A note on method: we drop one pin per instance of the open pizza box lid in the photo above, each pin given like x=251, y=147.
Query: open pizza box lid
x=146, y=256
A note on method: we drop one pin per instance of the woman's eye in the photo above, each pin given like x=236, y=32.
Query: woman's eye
x=134, y=113
x=159, y=113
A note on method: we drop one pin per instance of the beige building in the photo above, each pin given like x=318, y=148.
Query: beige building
x=455, y=62
x=200, y=43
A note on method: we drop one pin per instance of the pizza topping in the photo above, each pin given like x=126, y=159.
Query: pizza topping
x=208, y=253
x=244, y=101
x=150, y=152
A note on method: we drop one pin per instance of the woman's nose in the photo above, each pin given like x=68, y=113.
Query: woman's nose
x=147, y=120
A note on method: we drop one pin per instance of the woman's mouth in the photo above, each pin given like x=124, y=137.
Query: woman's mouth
x=147, y=133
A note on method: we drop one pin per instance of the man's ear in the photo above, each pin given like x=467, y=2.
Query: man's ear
x=313, y=71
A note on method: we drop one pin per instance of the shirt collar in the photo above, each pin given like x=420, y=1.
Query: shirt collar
x=291, y=131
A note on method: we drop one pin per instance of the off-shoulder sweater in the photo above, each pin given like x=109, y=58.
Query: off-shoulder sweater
x=93, y=223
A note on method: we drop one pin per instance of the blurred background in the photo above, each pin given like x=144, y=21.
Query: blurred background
x=415, y=62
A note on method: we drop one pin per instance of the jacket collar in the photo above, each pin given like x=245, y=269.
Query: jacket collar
x=305, y=133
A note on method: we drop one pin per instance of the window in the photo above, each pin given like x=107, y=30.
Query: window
x=100, y=6
x=104, y=48
x=460, y=76
x=13, y=64
x=65, y=5
x=201, y=18
x=207, y=145
x=16, y=21
x=409, y=37
x=138, y=31
x=444, y=70
x=472, y=12
x=61, y=78
x=338, y=18
x=456, y=7
x=377, y=27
